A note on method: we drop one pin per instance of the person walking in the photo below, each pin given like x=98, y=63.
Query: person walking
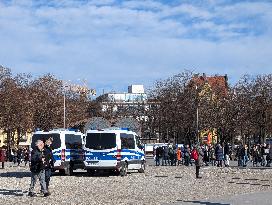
x=245, y=155
x=179, y=156
x=187, y=154
x=255, y=155
x=219, y=155
x=166, y=156
x=171, y=153
x=11, y=155
x=19, y=156
x=14, y=156
x=206, y=155
x=264, y=154
x=196, y=154
x=269, y=156
x=227, y=154
x=26, y=156
x=159, y=156
x=212, y=155
x=239, y=155
x=49, y=161
x=37, y=169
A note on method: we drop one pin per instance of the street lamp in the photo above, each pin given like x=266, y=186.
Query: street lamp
x=64, y=105
x=66, y=85
x=197, y=118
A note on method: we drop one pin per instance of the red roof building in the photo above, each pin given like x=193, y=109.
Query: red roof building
x=218, y=85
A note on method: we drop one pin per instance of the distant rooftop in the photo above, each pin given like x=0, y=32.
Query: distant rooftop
x=136, y=89
x=215, y=82
x=135, y=94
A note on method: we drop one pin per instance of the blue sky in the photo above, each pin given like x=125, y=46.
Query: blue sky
x=113, y=43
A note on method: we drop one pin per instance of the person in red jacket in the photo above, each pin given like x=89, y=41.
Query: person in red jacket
x=196, y=154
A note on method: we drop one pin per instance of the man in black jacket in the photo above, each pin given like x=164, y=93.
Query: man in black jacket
x=49, y=161
x=37, y=169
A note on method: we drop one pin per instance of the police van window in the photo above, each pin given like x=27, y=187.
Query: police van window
x=100, y=141
x=127, y=141
x=73, y=141
x=56, y=139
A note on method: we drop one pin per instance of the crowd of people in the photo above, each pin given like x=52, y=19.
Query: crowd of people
x=19, y=156
x=174, y=155
x=215, y=155
x=259, y=154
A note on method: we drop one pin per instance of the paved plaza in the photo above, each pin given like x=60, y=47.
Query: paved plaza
x=158, y=185
x=260, y=198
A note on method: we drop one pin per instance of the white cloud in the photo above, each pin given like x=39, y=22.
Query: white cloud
x=135, y=41
x=190, y=10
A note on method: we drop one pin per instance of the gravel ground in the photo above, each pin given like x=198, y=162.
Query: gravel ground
x=157, y=185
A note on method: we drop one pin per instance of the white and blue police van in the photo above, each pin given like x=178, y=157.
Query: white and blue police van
x=67, y=148
x=115, y=149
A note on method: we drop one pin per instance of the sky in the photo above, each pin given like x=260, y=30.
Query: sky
x=114, y=43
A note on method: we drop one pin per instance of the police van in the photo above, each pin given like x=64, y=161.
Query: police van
x=115, y=149
x=67, y=148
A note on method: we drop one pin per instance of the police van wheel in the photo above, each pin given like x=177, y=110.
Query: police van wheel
x=62, y=171
x=142, y=169
x=68, y=170
x=123, y=170
x=91, y=172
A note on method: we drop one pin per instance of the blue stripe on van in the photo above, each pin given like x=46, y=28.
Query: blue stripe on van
x=102, y=155
x=70, y=154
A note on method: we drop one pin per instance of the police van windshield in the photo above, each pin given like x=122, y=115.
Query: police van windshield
x=73, y=141
x=100, y=141
x=56, y=139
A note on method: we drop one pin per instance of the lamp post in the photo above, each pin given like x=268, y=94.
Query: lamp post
x=197, y=130
x=197, y=118
x=64, y=109
x=65, y=86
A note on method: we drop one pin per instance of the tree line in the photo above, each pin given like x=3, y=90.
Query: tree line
x=186, y=104
x=178, y=108
x=28, y=103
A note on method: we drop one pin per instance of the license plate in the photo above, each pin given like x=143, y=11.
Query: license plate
x=93, y=162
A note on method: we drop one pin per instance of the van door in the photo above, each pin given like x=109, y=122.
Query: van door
x=74, y=149
x=100, y=149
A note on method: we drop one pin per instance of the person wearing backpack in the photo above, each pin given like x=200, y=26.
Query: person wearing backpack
x=196, y=155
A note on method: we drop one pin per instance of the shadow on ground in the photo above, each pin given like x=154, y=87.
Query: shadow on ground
x=205, y=202
x=16, y=174
x=10, y=192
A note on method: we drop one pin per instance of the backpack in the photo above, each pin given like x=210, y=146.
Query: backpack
x=194, y=154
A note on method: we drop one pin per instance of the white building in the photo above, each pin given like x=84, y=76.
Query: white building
x=134, y=96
